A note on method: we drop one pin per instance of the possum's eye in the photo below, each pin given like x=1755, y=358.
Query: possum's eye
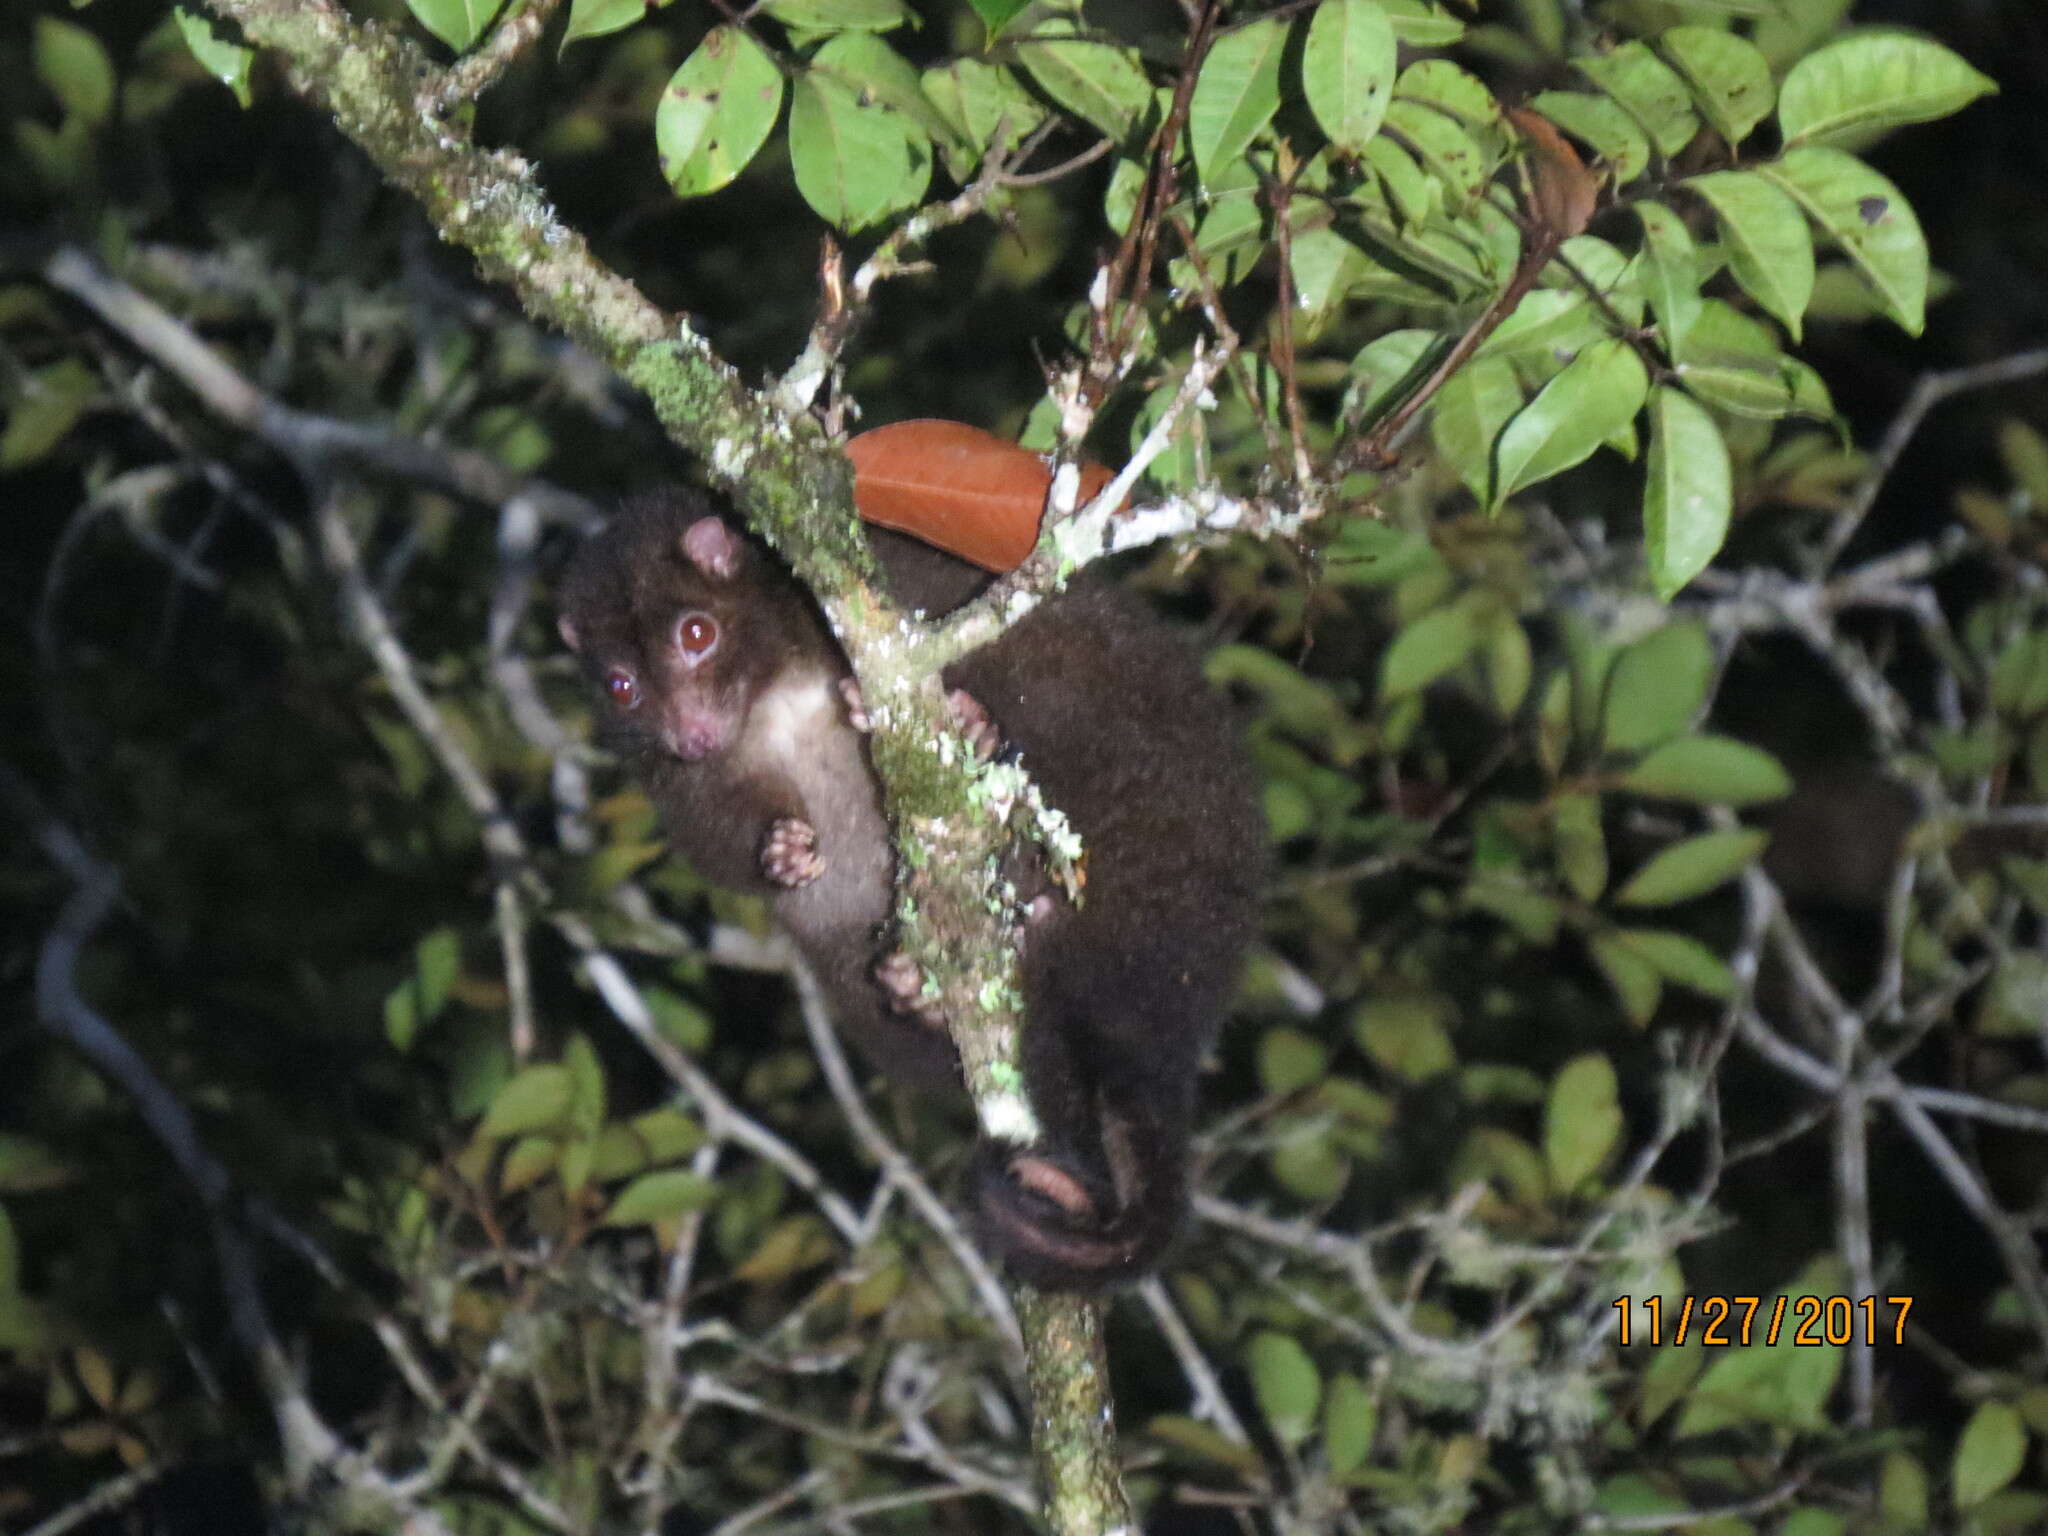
x=696, y=635
x=624, y=691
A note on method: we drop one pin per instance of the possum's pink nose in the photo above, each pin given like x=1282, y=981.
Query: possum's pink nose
x=693, y=734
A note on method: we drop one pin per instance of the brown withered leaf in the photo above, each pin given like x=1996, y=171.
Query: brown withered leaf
x=1562, y=192
x=969, y=492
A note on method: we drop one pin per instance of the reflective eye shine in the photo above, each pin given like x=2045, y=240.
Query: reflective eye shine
x=624, y=691
x=696, y=635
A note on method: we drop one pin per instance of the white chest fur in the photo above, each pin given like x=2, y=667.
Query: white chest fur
x=797, y=731
x=789, y=720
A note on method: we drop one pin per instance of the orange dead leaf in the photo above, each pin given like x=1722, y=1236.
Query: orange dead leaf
x=969, y=492
x=1562, y=192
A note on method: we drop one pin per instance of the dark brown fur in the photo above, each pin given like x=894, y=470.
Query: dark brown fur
x=1110, y=714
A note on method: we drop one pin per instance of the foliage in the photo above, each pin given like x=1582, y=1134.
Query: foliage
x=1655, y=799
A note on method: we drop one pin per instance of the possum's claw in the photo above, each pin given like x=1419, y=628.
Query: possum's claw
x=902, y=982
x=789, y=853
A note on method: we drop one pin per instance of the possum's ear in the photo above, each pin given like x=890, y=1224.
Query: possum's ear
x=566, y=628
x=712, y=547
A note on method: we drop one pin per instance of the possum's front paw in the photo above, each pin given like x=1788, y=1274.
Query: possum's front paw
x=856, y=707
x=902, y=982
x=973, y=722
x=789, y=853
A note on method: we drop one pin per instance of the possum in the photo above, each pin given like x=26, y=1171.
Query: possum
x=731, y=703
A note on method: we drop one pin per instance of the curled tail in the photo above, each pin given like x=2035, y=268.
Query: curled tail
x=1061, y=1226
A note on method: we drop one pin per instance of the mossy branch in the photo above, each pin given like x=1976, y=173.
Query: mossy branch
x=794, y=487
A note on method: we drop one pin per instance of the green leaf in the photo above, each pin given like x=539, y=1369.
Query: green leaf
x=1098, y=82
x=1797, y=29
x=600, y=18
x=660, y=1196
x=1760, y=390
x=1286, y=1384
x=1301, y=705
x=1445, y=149
x=1864, y=214
x=27, y=1165
x=1600, y=122
x=419, y=999
x=1383, y=371
x=586, y=1075
x=1655, y=687
x=618, y=1152
x=1902, y=1493
x=977, y=99
x=531, y=1159
x=1307, y=1162
x=2024, y=453
x=794, y=1243
x=1510, y=665
x=1769, y=249
x=1549, y=323
x=1427, y=648
x=667, y=1134
x=1693, y=867
x=1420, y=24
x=1680, y=958
x=437, y=960
x=1202, y=1441
x=1637, y=986
x=1710, y=770
x=1587, y=261
x=1730, y=80
x=881, y=77
x=839, y=15
x=1534, y=915
x=10, y=1256
x=716, y=112
x=1649, y=90
x=1670, y=271
x=1989, y=1455
x=71, y=63
x=1236, y=94
x=1289, y=1060
x=1670, y=1375
x=1468, y=415
x=1404, y=1034
x=1412, y=193
x=537, y=1098
x=1324, y=266
x=458, y=23
x=1455, y=92
x=1593, y=397
x=1347, y=71
x=49, y=405
x=1582, y=1121
x=225, y=60
x=1505, y=1159
x=2017, y=999
x=1581, y=845
x=856, y=161
x=998, y=14
x=1871, y=81
x=1776, y=1384
x=1350, y=1419
x=1690, y=492
x=1420, y=266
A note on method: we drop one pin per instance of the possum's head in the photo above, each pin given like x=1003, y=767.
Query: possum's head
x=683, y=623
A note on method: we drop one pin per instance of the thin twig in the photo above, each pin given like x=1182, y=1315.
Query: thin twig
x=516, y=30
x=1931, y=390
x=308, y=440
